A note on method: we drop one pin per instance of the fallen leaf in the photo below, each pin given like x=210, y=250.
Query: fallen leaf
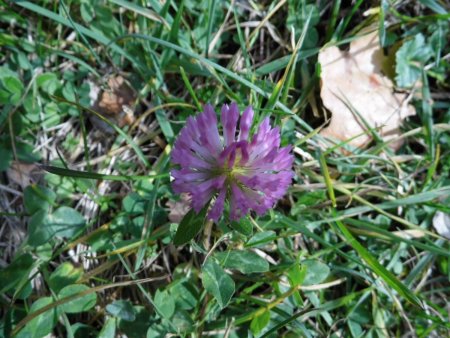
x=117, y=95
x=179, y=208
x=114, y=102
x=23, y=174
x=410, y=233
x=441, y=223
x=359, y=96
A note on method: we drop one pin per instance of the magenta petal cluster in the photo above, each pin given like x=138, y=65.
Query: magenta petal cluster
x=252, y=172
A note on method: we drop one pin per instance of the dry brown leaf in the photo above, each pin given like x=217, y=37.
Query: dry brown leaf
x=353, y=81
x=115, y=103
x=117, y=95
x=23, y=174
x=410, y=233
x=441, y=223
x=179, y=208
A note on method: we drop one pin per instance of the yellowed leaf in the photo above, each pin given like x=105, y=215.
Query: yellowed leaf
x=357, y=93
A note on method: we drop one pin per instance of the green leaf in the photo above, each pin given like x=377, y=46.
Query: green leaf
x=45, y=252
x=79, y=304
x=6, y=155
x=23, y=290
x=25, y=152
x=298, y=19
x=18, y=270
x=259, y=322
x=134, y=204
x=138, y=327
x=296, y=274
x=12, y=84
x=109, y=329
x=122, y=309
x=5, y=71
x=64, y=274
x=43, y=324
x=64, y=222
x=52, y=115
x=159, y=330
x=37, y=198
x=185, y=294
x=182, y=321
x=81, y=330
x=316, y=271
x=190, y=226
x=87, y=11
x=22, y=61
x=217, y=282
x=410, y=59
x=244, y=261
x=355, y=329
x=165, y=303
x=261, y=238
x=244, y=226
x=11, y=90
x=48, y=82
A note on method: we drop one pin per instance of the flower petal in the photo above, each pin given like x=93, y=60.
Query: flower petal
x=202, y=193
x=229, y=117
x=255, y=171
x=209, y=133
x=245, y=123
x=217, y=209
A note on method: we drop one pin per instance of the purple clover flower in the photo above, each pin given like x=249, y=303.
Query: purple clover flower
x=252, y=172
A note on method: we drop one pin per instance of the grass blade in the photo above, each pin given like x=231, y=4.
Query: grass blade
x=327, y=178
x=149, y=14
x=96, y=176
x=377, y=268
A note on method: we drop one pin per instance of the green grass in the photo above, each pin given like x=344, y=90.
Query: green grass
x=89, y=241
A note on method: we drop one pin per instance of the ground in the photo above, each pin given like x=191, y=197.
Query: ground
x=93, y=95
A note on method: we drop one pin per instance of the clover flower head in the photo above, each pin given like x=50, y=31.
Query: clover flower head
x=252, y=172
